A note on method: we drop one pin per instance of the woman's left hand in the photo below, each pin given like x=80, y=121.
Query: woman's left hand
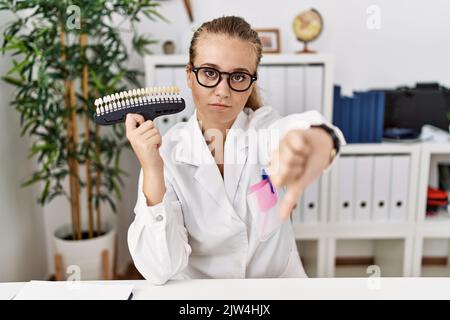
x=300, y=158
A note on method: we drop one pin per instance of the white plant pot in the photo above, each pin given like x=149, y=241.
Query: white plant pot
x=85, y=256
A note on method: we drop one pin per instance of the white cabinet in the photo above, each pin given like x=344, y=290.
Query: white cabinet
x=431, y=254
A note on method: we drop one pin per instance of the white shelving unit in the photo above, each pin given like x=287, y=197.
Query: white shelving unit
x=378, y=233
x=396, y=247
x=329, y=233
x=436, y=229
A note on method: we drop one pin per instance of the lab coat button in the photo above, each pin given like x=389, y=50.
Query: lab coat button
x=159, y=218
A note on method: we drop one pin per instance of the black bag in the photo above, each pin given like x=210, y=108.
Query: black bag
x=411, y=108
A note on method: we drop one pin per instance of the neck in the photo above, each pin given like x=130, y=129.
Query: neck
x=215, y=135
x=213, y=128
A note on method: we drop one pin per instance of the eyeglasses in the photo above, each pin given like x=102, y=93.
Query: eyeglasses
x=210, y=77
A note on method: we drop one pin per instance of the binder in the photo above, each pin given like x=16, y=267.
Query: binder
x=276, y=83
x=263, y=85
x=346, y=109
x=337, y=106
x=399, y=188
x=180, y=81
x=372, y=106
x=346, y=177
x=379, y=116
x=164, y=77
x=367, y=118
x=356, y=118
x=294, y=89
x=313, y=88
x=381, y=188
x=363, y=188
x=311, y=202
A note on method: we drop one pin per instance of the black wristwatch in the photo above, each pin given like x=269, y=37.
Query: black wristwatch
x=336, y=141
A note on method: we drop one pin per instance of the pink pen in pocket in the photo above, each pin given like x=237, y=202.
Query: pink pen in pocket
x=263, y=197
x=265, y=193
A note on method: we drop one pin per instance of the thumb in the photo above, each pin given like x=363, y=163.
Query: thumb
x=290, y=199
x=295, y=190
x=133, y=120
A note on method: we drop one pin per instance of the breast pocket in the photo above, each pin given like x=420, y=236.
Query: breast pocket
x=264, y=208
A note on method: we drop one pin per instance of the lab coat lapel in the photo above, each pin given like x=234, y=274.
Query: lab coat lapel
x=235, y=154
x=193, y=150
x=208, y=176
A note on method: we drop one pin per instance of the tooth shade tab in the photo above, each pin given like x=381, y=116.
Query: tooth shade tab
x=110, y=109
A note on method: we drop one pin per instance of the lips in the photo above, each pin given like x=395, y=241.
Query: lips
x=220, y=105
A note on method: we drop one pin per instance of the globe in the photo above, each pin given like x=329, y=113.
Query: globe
x=307, y=27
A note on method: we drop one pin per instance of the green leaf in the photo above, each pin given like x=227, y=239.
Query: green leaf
x=97, y=81
x=140, y=44
x=35, y=178
x=13, y=81
x=18, y=66
x=150, y=12
x=44, y=193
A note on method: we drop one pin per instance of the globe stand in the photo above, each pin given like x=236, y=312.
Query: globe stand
x=305, y=49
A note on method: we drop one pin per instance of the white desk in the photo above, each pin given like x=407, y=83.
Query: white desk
x=283, y=289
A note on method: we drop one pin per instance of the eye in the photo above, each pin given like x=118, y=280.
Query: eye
x=238, y=77
x=210, y=73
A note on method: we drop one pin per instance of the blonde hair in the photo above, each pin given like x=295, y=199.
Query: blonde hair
x=235, y=27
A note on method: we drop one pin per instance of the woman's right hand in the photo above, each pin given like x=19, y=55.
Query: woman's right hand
x=145, y=140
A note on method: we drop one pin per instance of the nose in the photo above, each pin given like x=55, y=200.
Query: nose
x=222, y=89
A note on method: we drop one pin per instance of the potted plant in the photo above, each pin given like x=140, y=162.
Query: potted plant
x=65, y=55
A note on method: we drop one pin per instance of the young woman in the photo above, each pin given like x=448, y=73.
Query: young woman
x=197, y=212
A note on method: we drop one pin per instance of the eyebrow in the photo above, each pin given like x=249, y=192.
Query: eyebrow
x=217, y=67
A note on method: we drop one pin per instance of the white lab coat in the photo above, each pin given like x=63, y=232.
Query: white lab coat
x=210, y=227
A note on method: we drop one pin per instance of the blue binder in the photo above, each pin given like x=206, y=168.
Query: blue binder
x=366, y=115
x=379, y=116
x=357, y=121
x=372, y=108
x=337, y=106
x=361, y=118
x=346, y=118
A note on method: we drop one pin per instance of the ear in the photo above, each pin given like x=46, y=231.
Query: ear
x=189, y=75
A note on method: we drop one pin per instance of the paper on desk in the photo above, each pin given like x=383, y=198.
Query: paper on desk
x=74, y=290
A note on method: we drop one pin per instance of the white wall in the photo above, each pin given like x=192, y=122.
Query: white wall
x=22, y=249
x=412, y=45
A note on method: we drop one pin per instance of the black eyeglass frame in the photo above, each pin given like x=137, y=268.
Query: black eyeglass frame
x=195, y=70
